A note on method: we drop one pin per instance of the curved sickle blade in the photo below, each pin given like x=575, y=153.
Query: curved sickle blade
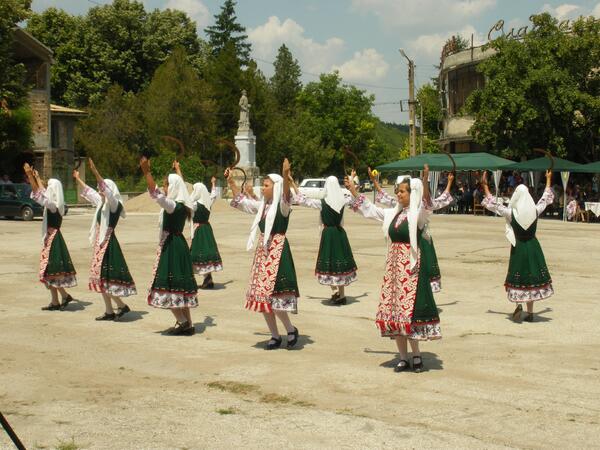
x=178, y=142
x=236, y=161
x=233, y=148
x=548, y=154
x=447, y=153
x=347, y=151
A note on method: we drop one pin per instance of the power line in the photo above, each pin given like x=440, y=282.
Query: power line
x=351, y=84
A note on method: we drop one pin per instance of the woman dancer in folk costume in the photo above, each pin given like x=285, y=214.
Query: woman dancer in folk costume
x=407, y=310
x=56, y=269
x=109, y=274
x=528, y=279
x=335, y=263
x=174, y=285
x=273, y=289
x=205, y=253
x=443, y=200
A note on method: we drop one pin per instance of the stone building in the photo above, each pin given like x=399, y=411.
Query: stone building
x=458, y=78
x=53, y=148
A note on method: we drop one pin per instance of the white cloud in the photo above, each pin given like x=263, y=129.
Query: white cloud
x=432, y=13
x=196, y=9
x=366, y=65
x=564, y=11
x=313, y=56
x=596, y=11
x=429, y=46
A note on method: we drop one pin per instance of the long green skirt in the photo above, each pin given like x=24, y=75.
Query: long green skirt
x=204, y=252
x=430, y=261
x=115, y=278
x=528, y=278
x=174, y=284
x=56, y=267
x=335, y=262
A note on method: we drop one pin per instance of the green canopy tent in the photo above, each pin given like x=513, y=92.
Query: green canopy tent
x=542, y=164
x=440, y=161
x=589, y=168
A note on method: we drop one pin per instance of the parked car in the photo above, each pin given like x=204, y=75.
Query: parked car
x=313, y=187
x=15, y=202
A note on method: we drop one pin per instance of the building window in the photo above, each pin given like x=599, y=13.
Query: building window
x=461, y=82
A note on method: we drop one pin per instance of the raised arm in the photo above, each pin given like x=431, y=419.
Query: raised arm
x=547, y=197
x=445, y=198
x=361, y=204
x=87, y=192
x=177, y=168
x=286, y=171
x=145, y=166
x=490, y=202
x=426, y=192
x=31, y=177
x=235, y=190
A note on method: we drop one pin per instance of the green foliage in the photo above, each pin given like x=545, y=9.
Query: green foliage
x=117, y=43
x=15, y=130
x=177, y=103
x=13, y=92
x=191, y=166
x=429, y=100
x=112, y=134
x=227, y=31
x=543, y=91
x=343, y=118
x=285, y=81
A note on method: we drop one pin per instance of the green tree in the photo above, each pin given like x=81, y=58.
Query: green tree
x=225, y=77
x=285, y=81
x=178, y=103
x=227, y=30
x=112, y=134
x=429, y=100
x=15, y=116
x=117, y=43
x=343, y=118
x=543, y=91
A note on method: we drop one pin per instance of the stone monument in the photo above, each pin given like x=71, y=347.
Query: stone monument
x=245, y=141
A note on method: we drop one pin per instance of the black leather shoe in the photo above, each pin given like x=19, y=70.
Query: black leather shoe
x=184, y=329
x=417, y=366
x=273, y=343
x=402, y=366
x=207, y=283
x=528, y=317
x=292, y=338
x=106, y=316
x=122, y=311
x=51, y=307
x=68, y=299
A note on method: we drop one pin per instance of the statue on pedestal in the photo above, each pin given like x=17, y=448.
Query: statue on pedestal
x=244, y=122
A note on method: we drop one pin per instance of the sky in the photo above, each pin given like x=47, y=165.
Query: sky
x=360, y=38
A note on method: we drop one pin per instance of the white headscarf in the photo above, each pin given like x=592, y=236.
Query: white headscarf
x=201, y=194
x=105, y=214
x=277, y=191
x=414, y=210
x=523, y=210
x=334, y=196
x=54, y=193
x=401, y=178
x=176, y=191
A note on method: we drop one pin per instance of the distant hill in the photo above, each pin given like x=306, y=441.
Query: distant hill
x=392, y=134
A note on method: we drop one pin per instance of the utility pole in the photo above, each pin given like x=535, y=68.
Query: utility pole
x=411, y=104
x=421, y=134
